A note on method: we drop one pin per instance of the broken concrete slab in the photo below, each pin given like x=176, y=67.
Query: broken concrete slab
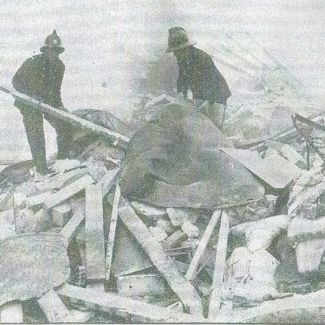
x=275, y=171
x=32, y=264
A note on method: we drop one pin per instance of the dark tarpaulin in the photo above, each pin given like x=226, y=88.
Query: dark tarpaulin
x=167, y=163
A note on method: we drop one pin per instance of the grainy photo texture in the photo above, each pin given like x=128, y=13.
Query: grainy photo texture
x=162, y=161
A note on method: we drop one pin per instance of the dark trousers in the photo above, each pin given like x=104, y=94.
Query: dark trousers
x=34, y=127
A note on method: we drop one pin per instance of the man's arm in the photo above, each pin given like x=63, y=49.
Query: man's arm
x=182, y=81
x=21, y=79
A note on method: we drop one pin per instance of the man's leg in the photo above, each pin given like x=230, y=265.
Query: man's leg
x=63, y=136
x=33, y=122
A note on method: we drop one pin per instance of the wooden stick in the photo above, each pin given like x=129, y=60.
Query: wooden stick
x=70, y=229
x=191, y=272
x=108, y=180
x=68, y=117
x=112, y=232
x=141, y=311
x=219, y=267
x=94, y=227
x=164, y=264
x=65, y=193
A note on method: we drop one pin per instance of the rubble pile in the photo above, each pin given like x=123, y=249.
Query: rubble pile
x=172, y=222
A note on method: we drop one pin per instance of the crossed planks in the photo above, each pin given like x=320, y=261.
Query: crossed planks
x=99, y=262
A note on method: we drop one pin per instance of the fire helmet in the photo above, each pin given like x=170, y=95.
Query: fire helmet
x=53, y=41
x=178, y=39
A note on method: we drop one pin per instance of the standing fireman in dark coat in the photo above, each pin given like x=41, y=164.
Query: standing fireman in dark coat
x=41, y=77
x=198, y=73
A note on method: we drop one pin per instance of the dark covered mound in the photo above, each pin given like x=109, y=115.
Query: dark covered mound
x=167, y=163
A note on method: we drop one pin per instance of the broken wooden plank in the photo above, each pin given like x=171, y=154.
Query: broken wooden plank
x=68, y=117
x=140, y=285
x=70, y=229
x=173, y=239
x=12, y=312
x=276, y=171
x=112, y=232
x=94, y=226
x=37, y=199
x=191, y=272
x=108, y=180
x=67, y=192
x=109, y=302
x=164, y=264
x=219, y=267
x=53, y=308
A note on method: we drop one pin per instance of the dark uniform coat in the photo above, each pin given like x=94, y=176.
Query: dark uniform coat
x=201, y=76
x=40, y=78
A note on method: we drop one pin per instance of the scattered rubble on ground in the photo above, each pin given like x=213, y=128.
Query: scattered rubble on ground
x=163, y=224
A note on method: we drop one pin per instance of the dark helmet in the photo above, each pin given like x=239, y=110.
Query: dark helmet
x=53, y=41
x=178, y=39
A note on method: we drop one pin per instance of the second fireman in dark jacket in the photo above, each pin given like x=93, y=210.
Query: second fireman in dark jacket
x=198, y=73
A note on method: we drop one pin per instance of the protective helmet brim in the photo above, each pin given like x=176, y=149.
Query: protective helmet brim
x=60, y=49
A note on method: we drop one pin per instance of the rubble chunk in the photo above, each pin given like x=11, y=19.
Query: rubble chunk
x=12, y=312
x=309, y=254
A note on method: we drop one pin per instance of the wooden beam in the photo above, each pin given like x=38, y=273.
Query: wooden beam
x=191, y=272
x=67, y=192
x=70, y=229
x=94, y=227
x=108, y=180
x=112, y=303
x=219, y=267
x=68, y=117
x=53, y=308
x=112, y=232
x=164, y=264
